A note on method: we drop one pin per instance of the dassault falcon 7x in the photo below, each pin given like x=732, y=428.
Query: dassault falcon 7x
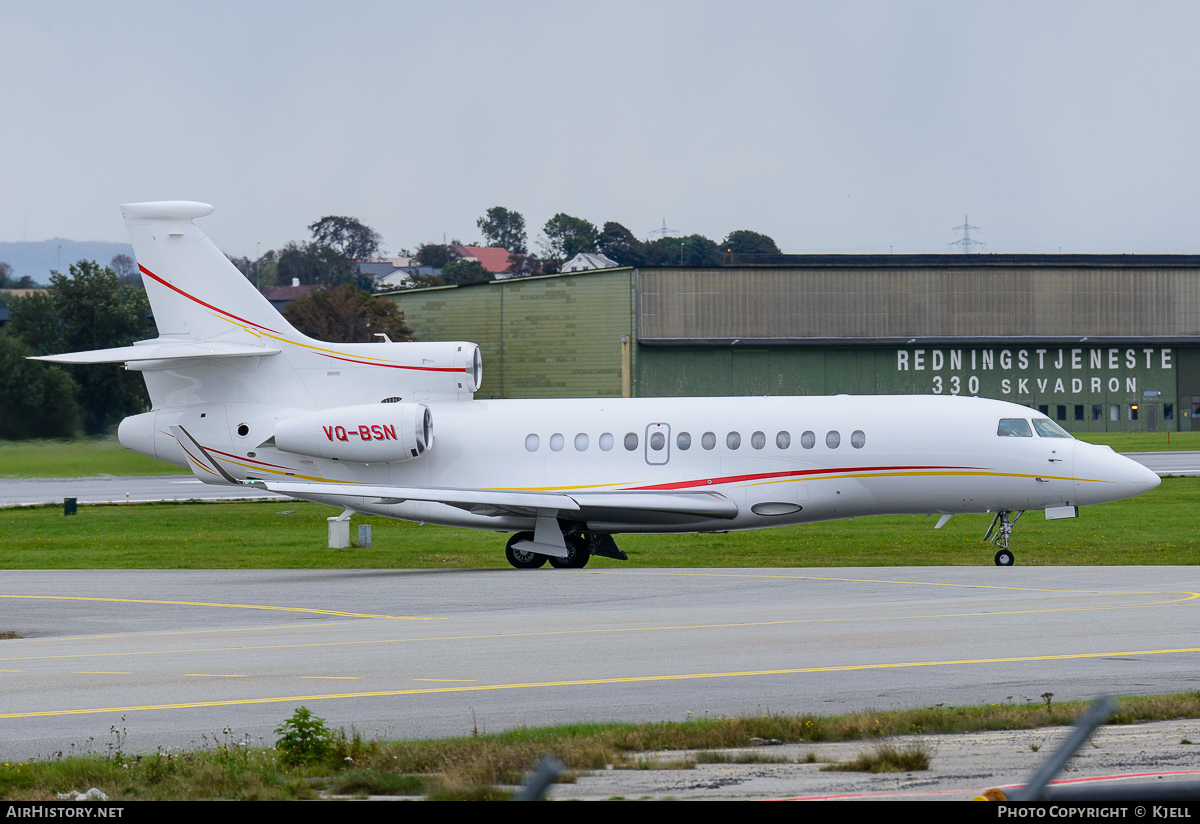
x=392, y=429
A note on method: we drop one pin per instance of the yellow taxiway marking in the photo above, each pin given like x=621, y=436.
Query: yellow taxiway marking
x=213, y=675
x=307, y=610
x=633, y=679
x=609, y=630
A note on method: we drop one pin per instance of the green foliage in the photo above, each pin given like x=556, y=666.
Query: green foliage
x=746, y=242
x=618, y=243
x=503, y=228
x=693, y=250
x=304, y=738
x=89, y=310
x=567, y=236
x=463, y=272
x=37, y=400
x=437, y=255
x=346, y=236
x=346, y=314
x=885, y=758
x=7, y=281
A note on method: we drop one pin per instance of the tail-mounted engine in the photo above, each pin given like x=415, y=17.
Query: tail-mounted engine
x=370, y=433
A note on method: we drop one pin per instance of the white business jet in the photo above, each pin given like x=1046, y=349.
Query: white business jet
x=391, y=429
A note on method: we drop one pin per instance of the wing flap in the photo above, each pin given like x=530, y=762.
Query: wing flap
x=503, y=501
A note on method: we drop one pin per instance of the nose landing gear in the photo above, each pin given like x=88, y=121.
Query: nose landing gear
x=998, y=534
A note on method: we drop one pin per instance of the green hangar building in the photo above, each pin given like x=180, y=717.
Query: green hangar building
x=1098, y=342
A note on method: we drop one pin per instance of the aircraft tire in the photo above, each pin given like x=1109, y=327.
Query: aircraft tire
x=1005, y=558
x=520, y=558
x=577, y=556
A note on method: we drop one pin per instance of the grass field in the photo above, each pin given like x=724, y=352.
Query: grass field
x=1158, y=527
x=88, y=457
x=1145, y=441
x=82, y=458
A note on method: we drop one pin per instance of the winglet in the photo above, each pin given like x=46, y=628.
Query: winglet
x=203, y=465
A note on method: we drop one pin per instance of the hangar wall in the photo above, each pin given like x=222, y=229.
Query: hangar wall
x=556, y=336
x=1100, y=343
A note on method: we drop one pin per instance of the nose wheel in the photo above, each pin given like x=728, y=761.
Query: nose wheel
x=999, y=533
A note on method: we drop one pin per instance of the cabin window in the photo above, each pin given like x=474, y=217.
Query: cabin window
x=532, y=442
x=708, y=440
x=733, y=440
x=758, y=440
x=858, y=439
x=631, y=441
x=1014, y=428
x=783, y=440
x=606, y=441
x=557, y=441
x=657, y=441
x=1049, y=429
x=581, y=442
x=833, y=439
x=684, y=441
x=808, y=440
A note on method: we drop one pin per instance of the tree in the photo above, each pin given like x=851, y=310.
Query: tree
x=346, y=236
x=89, y=310
x=37, y=400
x=503, y=228
x=746, y=242
x=126, y=270
x=618, y=244
x=693, y=250
x=7, y=281
x=346, y=315
x=462, y=272
x=567, y=236
x=313, y=263
x=437, y=255
x=523, y=266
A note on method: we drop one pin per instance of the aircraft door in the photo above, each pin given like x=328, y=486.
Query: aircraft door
x=658, y=443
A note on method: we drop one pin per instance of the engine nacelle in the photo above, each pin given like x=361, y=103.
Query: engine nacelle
x=368, y=433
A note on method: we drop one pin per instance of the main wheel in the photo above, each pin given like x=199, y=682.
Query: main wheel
x=520, y=558
x=1005, y=558
x=577, y=554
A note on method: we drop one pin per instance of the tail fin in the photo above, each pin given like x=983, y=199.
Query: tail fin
x=194, y=291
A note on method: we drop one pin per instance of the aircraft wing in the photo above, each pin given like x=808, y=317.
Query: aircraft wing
x=574, y=505
x=164, y=351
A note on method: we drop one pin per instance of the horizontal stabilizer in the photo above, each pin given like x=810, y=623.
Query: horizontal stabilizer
x=162, y=351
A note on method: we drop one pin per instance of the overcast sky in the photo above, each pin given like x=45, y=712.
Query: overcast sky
x=832, y=127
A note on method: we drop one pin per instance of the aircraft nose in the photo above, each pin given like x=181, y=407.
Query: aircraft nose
x=1103, y=475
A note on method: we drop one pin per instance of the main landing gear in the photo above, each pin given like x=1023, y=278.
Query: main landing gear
x=580, y=547
x=998, y=534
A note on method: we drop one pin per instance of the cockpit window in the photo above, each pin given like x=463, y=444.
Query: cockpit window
x=1014, y=428
x=1049, y=429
